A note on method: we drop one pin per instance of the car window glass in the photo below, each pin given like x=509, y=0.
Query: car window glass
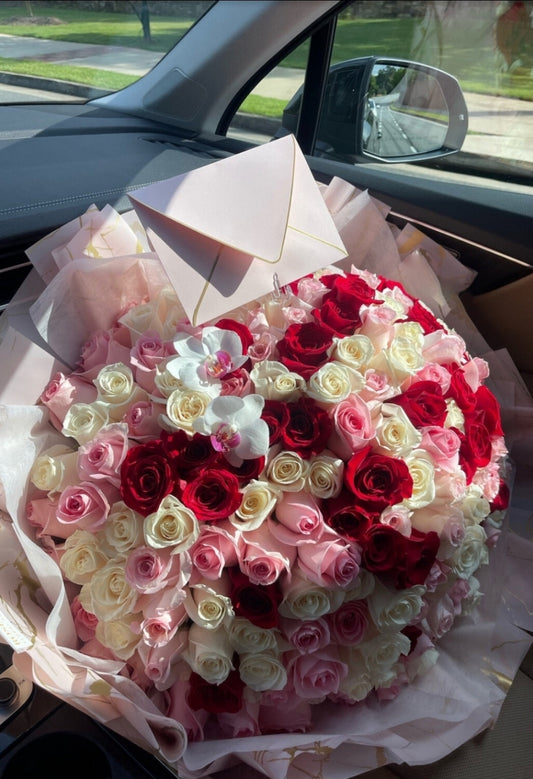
x=486, y=45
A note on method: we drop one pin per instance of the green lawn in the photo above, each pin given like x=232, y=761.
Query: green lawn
x=469, y=56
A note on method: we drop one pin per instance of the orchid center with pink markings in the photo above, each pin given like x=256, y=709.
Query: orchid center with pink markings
x=218, y=365
x=225, y=437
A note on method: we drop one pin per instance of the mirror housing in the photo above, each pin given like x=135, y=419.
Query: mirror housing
x=386, y=110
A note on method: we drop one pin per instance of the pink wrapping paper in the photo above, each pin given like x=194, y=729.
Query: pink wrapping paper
x=439, y=711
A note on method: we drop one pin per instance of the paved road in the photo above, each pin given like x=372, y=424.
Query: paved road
x=498, y=127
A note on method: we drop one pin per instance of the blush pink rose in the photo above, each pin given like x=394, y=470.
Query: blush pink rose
x=349, y=622
x=41, y=513
x=353, y=427
x=263, y=347
x=377, y=323
x=159, y=662
x=84, y=506
x=147, y=353
x=434, y=372
x=443, y=348
x=300, y=513
x=443, y=445
x=376, y=387
x=142, y=419
x=264, y=558
x=102, y=348
x=84, y=622
x=311, y=291
x=101, y=458
x=306, y=635
x=215, y=549
x=238, y=383
x=147, y=569
x=331, y=563
x=398, y=517
x=440, y=617
x=62, y=392
x=317, y=675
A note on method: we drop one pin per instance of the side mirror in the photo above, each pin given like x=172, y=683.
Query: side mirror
x=387, y=110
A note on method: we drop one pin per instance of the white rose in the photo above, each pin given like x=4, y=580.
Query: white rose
x=118, y=636
x=116, y=387
x=207, y=607
x=454, y=416
x=474, y=505
x=324, y=479
x=288, y=470
x=356, y=351
x=81, y=557
x=362, y=586
x=404, y=358
x=333, y=382
x=184, y=407
x=471, y=601
x=123, y=529
x=275, y=381
x=173, y=525
x=108, y=594
x=83, y=420
x=55, y=469
x=471, y=554
x=165, y=381
x=258, y=501
x=246, y=638
x=395, y=433
x=411, y=331
x=209, y=653
x=418, y=665
x=262, y=671
x=392, y=611
x=303, y=599
x=422, y=472
x=357, y=684
x=382, y=652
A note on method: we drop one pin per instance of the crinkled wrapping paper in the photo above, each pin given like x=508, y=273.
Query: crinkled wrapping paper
x=60, y=304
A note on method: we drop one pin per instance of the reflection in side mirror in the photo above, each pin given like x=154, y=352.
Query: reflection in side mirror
x=387, y=110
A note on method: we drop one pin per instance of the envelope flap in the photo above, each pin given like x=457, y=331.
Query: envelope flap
x=255, y=187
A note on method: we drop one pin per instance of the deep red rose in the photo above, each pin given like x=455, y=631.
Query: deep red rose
x=146, y=477
x=423, y=403
x=476, y=447
x=460, y=390
x=188, y=454
x=488, y=409
x=275, y=415
x=257, y=603
x=376, y=480
x=248, y=470
x=420, y=553
x=225, y=697
x=307, y=427
x=242, y=331
x=392, y=284
x=501, y=501
x=305, y=348
x=212, y=494
x=339, y=320
x=384, y=550
x=348, y=518
x=413, y=633
x=349, y=290
x=427, y=321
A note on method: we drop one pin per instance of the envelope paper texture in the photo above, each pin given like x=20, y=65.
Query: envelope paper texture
x=233, y=230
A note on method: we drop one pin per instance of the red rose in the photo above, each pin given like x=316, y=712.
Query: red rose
x=225, y=697
x=460, y=390
x=242, y=331
x=423, y=403
x=488, y=409
x=339, y=311
x=476, y=447
x=307, y=427
x=146, y=477
x=350, y=289
x=427, y=321
x=349, y=519
x=248, y=470
x=377, y=481
x=188, y=454
x=212, y=494
x=383, y=550
x=420, y=553
x=305, y=348
x=275, y=415
x=257, y=603
x=501, y=501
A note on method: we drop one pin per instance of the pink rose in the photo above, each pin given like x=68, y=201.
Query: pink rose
x=41, y=513
x=215, y=549
x=264, y=558
x=159, y=660
x=62, y=392
x=311, y=291
x=440, y=617
x=377, y=323
x=84, y=622
x=296, y=315
x=300, y=513
x=147, y=569
x=443, y=445
x=376, y=387
x=397, y=517
x=162, y=617
x=458, y=592
x=332, y=562
x=443, y=348
x=142, y=419
x=84, y=506
x=437, y=373
x=147, y=353
x=349, y=622
x=178, y=709
x=102, y=349
x=317, y=675
x=238, y=383
x=263, y=347
x=306, y=635
x=101, y=458
x=353, y=427
x=438, y=575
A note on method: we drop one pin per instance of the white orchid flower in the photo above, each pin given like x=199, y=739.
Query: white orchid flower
x=203, y=362
x=235, y=427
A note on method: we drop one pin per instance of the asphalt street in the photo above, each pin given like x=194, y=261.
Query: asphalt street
x=498, y=126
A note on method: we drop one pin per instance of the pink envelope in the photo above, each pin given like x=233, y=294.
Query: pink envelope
x=229, y=232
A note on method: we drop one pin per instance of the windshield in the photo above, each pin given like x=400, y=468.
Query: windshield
x=74, y=51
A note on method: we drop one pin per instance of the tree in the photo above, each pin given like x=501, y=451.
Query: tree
x=144, y=17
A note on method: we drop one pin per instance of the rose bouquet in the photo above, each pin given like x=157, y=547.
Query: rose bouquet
x=255, y=520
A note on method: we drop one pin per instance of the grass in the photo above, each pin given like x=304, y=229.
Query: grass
x=468, y=53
